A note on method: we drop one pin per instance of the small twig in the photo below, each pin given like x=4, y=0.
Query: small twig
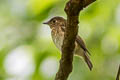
x=72, y=9
x=118, y=74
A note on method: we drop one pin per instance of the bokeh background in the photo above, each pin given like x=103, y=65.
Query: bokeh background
x=28, y=53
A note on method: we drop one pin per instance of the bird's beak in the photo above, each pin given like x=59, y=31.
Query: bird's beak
x=45, y=23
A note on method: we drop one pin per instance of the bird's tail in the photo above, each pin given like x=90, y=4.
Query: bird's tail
x=87, y=60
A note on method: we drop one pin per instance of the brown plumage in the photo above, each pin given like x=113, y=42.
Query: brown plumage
x=57, y=25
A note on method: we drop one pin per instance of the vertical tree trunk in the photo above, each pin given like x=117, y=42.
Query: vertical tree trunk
x=72, y=9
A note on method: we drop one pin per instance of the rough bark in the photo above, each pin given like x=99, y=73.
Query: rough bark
x=72, y=9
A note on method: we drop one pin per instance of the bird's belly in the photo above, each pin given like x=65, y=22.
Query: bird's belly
x=58, y=41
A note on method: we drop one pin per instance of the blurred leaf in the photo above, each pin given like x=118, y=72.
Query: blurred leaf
x=39, y=9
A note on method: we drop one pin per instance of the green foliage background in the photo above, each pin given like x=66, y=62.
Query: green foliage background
x=22, y=33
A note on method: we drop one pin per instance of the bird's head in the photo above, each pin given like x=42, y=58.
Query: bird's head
x=56, y=22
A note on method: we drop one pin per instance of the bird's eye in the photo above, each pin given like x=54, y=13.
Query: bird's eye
x=54, y=21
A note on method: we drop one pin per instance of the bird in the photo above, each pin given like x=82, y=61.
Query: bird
x=57, y=25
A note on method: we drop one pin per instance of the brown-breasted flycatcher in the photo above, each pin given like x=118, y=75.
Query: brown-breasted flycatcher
x=57, y=25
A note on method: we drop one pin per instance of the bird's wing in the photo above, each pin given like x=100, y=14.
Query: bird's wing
x=81, y=43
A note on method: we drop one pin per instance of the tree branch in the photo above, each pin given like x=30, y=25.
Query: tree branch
x=72, y=9
x=118, y=74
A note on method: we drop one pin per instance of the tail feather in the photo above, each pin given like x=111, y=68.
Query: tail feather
x=87, y=60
